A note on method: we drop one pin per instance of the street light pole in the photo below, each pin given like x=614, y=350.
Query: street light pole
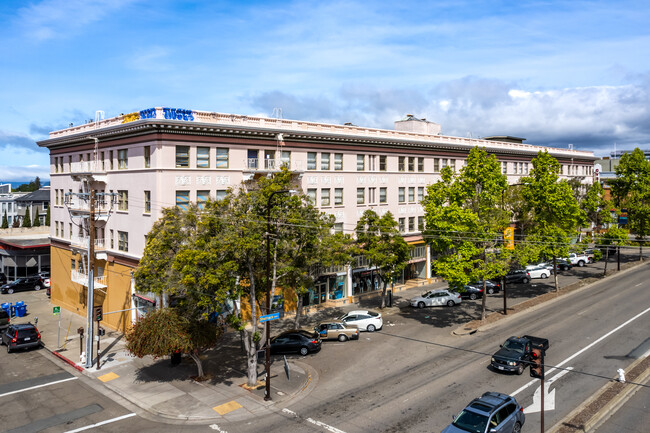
x=267, y=393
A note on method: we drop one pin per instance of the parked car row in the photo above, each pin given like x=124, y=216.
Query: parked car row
x=34, y=282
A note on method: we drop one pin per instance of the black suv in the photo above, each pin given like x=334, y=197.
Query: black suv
x=493, y=412
x=4, y=319
x=24, y=336
x=34, y=282
x=518, y=276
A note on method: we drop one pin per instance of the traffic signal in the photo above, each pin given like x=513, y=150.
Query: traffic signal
x=98, y=313
x=537, y=363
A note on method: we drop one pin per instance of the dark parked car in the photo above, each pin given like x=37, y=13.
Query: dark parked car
x=25, y=283
x=24, y=336
x=300, y=341
x=563, y=265
x=471, y=292
x=518, y=276
x=493, y=412
x=3, y=279
x=490, y=286
x=5, y=319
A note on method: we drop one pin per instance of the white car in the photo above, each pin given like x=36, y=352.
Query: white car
x=363, y=319
x=436, y=297
x=539, y=272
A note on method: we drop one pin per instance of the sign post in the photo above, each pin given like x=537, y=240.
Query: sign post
x=57, y=312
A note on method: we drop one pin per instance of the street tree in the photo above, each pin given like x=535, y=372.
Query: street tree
x=47, y=217
x=27, y=220
x=631, y=192
x=5, y=221
x=465, y=219
x=380, y=242
x=37, y=219
x=166, y=331
x=613, y=239
x=596, y=208
x=555, y=208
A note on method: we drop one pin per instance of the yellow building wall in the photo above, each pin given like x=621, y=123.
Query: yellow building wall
x=73, y=297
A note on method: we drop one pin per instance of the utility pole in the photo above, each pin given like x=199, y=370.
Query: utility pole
x=90, y=304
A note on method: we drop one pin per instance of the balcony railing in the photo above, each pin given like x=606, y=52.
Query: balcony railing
x=87, y=167
x=272, y=164
x=81, y=278
x=77, y=203
x=82, y=242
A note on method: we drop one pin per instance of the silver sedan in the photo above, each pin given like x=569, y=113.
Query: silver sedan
x=436, y=297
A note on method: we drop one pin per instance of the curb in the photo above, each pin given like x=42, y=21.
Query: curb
x=609, y=408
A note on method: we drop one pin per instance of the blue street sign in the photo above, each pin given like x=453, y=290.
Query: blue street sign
x=268, y=317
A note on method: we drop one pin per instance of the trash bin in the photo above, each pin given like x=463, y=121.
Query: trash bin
x=21, y=310
x=7, y=307
x=176, y=358
x=20, y=304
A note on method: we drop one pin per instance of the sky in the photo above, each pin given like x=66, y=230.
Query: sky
x=557, y=73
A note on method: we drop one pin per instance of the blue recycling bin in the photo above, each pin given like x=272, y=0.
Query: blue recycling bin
x=21, y=310
x=20, y=304
x=7, y=307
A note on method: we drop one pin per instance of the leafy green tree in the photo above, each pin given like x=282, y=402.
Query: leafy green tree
x=631, y=191
x=27, y=220
x=47, y=217
x=613, y=237
x=380, y=242
x=465, y=219
x=37, y=219
x=596, y=208
x=165, y=331
x=5, y=221
x=555, y=208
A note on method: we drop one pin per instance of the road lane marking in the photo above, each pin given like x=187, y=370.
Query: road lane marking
x=108, y=421
x=582, y=350
x=37, y=386
x=327, y=427
x=549, y=396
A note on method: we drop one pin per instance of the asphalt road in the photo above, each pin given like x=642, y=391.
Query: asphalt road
x=414, y=375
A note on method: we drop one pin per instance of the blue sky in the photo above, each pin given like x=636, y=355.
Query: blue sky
x=554, y=72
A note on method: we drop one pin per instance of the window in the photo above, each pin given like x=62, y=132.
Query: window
x=436, y=165
x=411, y=194
x=361, y=195
x=400, y=163
x=147, y=156
x=411, y=224
x=504, y=167
x=311, y=160
x=383, y=195
x=411, y=163
x=286, y=158
x=203, y=157
x=371, y=195
x=443, y=162
x=324, y=161
x=311, y=193
x=182, y=156
x=452, y=164
x=122, y=159
x=372, y=162
x=338, y=228
x=56, y=224
x=112, y=239
x=420, y=194
x=222, y=158
x=123, y=241
x=122, y=200
x=382, y=162
x=402, y=225
x=361, y=159
x=338, y=161
x=420, y=164
x=202, y=198
x=325, y=197
x=420, y=223
x=401, y=196
x=110, y=159
x=338, y=196
x=183, y=199
x=147, y=202
x=101, y=156
x=70, y=230
x=221, y=194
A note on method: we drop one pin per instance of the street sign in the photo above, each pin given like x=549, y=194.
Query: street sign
x=56, y=310
x=266, y=318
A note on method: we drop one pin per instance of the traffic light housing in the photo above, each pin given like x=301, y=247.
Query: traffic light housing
x=98, y=313
x=537, y=363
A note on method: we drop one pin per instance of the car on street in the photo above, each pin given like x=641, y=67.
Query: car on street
x=337, y=331
x=518, y=276
x=34, y=282
x=436, y=297
x=296, y=341
x=514, y=355
x=471, y=292
x=539, y=272
x=21, y=336
x=493, y=412
x=365, y=320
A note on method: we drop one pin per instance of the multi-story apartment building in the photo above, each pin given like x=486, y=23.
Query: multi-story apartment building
x=163, y=157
